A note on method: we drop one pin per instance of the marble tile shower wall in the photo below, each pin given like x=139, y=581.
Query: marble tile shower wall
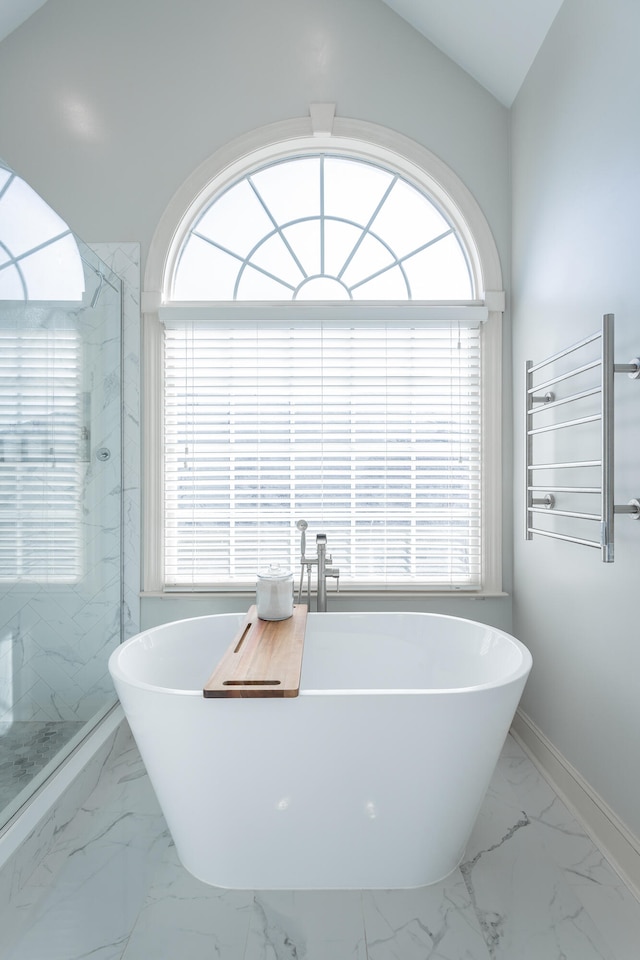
x=54, y=639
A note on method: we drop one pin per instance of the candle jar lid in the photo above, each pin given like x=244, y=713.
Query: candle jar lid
x=275, y=572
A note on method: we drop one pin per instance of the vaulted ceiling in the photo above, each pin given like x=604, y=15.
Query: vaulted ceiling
x=15, y=12
x=495, y=41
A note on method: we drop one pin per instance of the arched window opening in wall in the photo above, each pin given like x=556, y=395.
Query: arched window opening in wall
x=322, y=227
x=318, y=349
x=41, y=395
x=39, y=257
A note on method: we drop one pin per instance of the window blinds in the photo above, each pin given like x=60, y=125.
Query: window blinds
x=370, y=432
x=40, y=444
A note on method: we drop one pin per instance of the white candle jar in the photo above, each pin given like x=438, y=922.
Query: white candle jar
x=274, y=593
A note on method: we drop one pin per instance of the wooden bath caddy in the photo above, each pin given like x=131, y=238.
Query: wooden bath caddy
x=263, y=660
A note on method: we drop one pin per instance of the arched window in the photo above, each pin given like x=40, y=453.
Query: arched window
x=39, y=257
x=318, y=353
x=322, y=227
x=40, y=389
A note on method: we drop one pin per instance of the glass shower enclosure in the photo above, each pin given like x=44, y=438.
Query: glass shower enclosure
x=61, y=578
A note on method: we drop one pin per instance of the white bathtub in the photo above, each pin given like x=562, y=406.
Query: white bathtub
x=371, y=778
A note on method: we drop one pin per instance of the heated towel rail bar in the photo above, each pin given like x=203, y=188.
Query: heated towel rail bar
x=541, y=495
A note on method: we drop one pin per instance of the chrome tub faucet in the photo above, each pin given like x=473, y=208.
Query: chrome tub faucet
x=322, y=562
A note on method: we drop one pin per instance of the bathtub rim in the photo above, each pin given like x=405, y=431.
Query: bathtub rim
x=522, y=670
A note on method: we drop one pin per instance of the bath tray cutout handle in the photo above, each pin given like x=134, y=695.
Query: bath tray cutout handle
x=262, y=648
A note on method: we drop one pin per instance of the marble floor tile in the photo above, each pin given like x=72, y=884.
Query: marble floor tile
x=84, y=897
x=430, y=923
x=307, y=925
x=185, y=919
x=560, y=839
x=524, y=905
x=532, y=886
x=97, y=895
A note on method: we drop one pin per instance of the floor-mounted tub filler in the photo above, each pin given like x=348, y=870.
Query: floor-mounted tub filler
x=371, y=778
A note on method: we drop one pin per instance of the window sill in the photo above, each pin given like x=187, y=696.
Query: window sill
x=371, y=592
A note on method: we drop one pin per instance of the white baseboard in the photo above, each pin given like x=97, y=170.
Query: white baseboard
x=608, y=832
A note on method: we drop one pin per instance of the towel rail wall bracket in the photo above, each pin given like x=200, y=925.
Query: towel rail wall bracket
x=540, y=497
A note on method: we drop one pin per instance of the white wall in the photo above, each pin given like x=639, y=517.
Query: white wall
x=107, y=108
x=576, y=210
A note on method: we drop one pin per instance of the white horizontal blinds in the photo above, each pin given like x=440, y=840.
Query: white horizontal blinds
x=40, y=444
x=370, y=433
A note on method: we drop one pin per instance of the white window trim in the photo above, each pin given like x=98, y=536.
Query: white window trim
x=321, y=130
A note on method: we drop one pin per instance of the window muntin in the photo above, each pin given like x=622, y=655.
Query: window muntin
x=322, y=227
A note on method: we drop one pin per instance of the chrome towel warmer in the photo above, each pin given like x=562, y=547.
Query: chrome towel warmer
x=540, y=497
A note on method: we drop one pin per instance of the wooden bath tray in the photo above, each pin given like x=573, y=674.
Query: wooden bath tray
x=263, y=660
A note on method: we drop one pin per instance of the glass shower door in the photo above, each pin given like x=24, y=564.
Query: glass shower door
x=60, y=524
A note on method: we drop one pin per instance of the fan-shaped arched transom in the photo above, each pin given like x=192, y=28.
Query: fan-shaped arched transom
x=322, y=227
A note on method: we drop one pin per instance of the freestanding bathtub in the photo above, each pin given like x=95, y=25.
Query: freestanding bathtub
x=371, y=778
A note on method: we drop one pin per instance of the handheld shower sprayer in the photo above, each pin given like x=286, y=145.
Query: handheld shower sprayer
x=302, y=526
